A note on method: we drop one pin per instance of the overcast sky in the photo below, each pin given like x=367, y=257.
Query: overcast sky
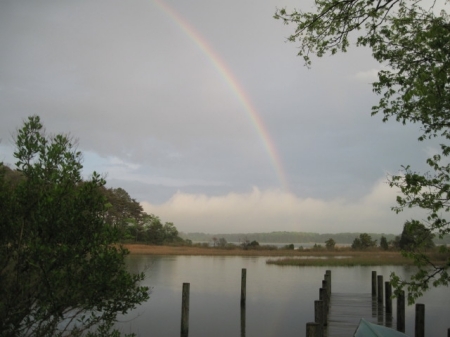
x=202, y=111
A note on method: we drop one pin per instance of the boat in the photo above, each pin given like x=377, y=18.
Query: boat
x=367, y=329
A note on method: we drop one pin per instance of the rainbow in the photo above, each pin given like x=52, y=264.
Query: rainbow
x=236, y=88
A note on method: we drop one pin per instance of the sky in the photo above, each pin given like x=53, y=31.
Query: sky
x=203, y=112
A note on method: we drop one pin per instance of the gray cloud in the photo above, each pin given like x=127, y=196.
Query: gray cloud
x=153, y=112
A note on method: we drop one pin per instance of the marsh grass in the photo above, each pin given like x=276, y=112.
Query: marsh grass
x=348, y=259
x=207, y=251
x=338, y=257
x=342, y=256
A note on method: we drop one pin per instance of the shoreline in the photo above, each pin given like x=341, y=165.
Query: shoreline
x=338, y=257
x=136, y=249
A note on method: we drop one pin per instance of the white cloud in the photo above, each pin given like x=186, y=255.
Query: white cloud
x=275, y=210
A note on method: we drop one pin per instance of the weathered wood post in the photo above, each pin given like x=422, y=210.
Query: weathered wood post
x=323, y=297
x=374, y=283
x=243, y=286
x=388, y=297
x=325, y=286
x=420, y=320
x=185, y=310
x=401, y=311
x=312, y=329
x=319, y=313
x=328, y=278
x=243, y=324
x=388, y=304
x=380, y=290
x=448, y=332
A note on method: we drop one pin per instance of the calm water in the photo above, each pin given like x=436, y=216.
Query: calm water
x=280, y=300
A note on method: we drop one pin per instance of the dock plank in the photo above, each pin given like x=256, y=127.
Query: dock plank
x=347, y=309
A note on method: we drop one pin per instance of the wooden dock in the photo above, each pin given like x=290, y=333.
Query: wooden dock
x=346, y=310
x=339, y=314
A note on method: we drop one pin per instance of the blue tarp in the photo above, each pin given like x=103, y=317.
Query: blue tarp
x=367, y=329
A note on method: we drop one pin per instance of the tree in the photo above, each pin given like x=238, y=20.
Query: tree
x=61, y=272
x=383, y=243
x=153, y=229
x=122, y=210
x=170, y=233
x=412, y=42
x=415, y=237
x=222, y=243
x=330, y=244
x=363, y=242
x=356, y=245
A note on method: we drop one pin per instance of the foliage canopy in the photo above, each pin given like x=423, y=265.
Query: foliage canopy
x=412, y=42
x=363, y=242
x=61, y=271
x=330, y=244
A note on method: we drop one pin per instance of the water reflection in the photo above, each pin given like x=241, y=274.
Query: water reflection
x=279, y=300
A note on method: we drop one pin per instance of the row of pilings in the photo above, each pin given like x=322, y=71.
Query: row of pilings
x=184, y=331
x=377, y=293
x=381, y=305
x=321, y=309
x=381, y=302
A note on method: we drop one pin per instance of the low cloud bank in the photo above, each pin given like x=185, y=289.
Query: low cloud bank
x=276, y=210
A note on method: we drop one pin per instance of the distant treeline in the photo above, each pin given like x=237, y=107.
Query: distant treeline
x=291, y=237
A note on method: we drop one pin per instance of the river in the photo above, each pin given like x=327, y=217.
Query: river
x=280, y=300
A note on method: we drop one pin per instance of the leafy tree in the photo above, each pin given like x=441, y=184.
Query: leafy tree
x=254, y=244
x=122, y=210
x=416, y=237
x=153, y=229
x=317, y=247
x=170, y=233
x=356, y=245
x=222, y=243
x=411, y=39
x=383, y=243
x=61, y=272
x=246, y=244
x=363, y=242
x=330, y=244
x=395, y=243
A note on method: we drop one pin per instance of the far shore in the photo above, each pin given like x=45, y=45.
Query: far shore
x=337, y=257
x=211, y=251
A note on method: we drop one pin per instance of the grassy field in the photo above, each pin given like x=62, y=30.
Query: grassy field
x=339, y=257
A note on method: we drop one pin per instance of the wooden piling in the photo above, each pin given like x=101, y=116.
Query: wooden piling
x=374, y=283
x=328, y=278
x=243, y=323
x=319, y=316
x=185, y=310
x=312, y=329
x=323, y=297
x=401, y=311
x=243, y=286
x=325, y=286
x=388, y=297
x=380, y=289
x=420, y=320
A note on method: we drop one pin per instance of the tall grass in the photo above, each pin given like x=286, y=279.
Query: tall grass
x=372, y=258
x=288, y=257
